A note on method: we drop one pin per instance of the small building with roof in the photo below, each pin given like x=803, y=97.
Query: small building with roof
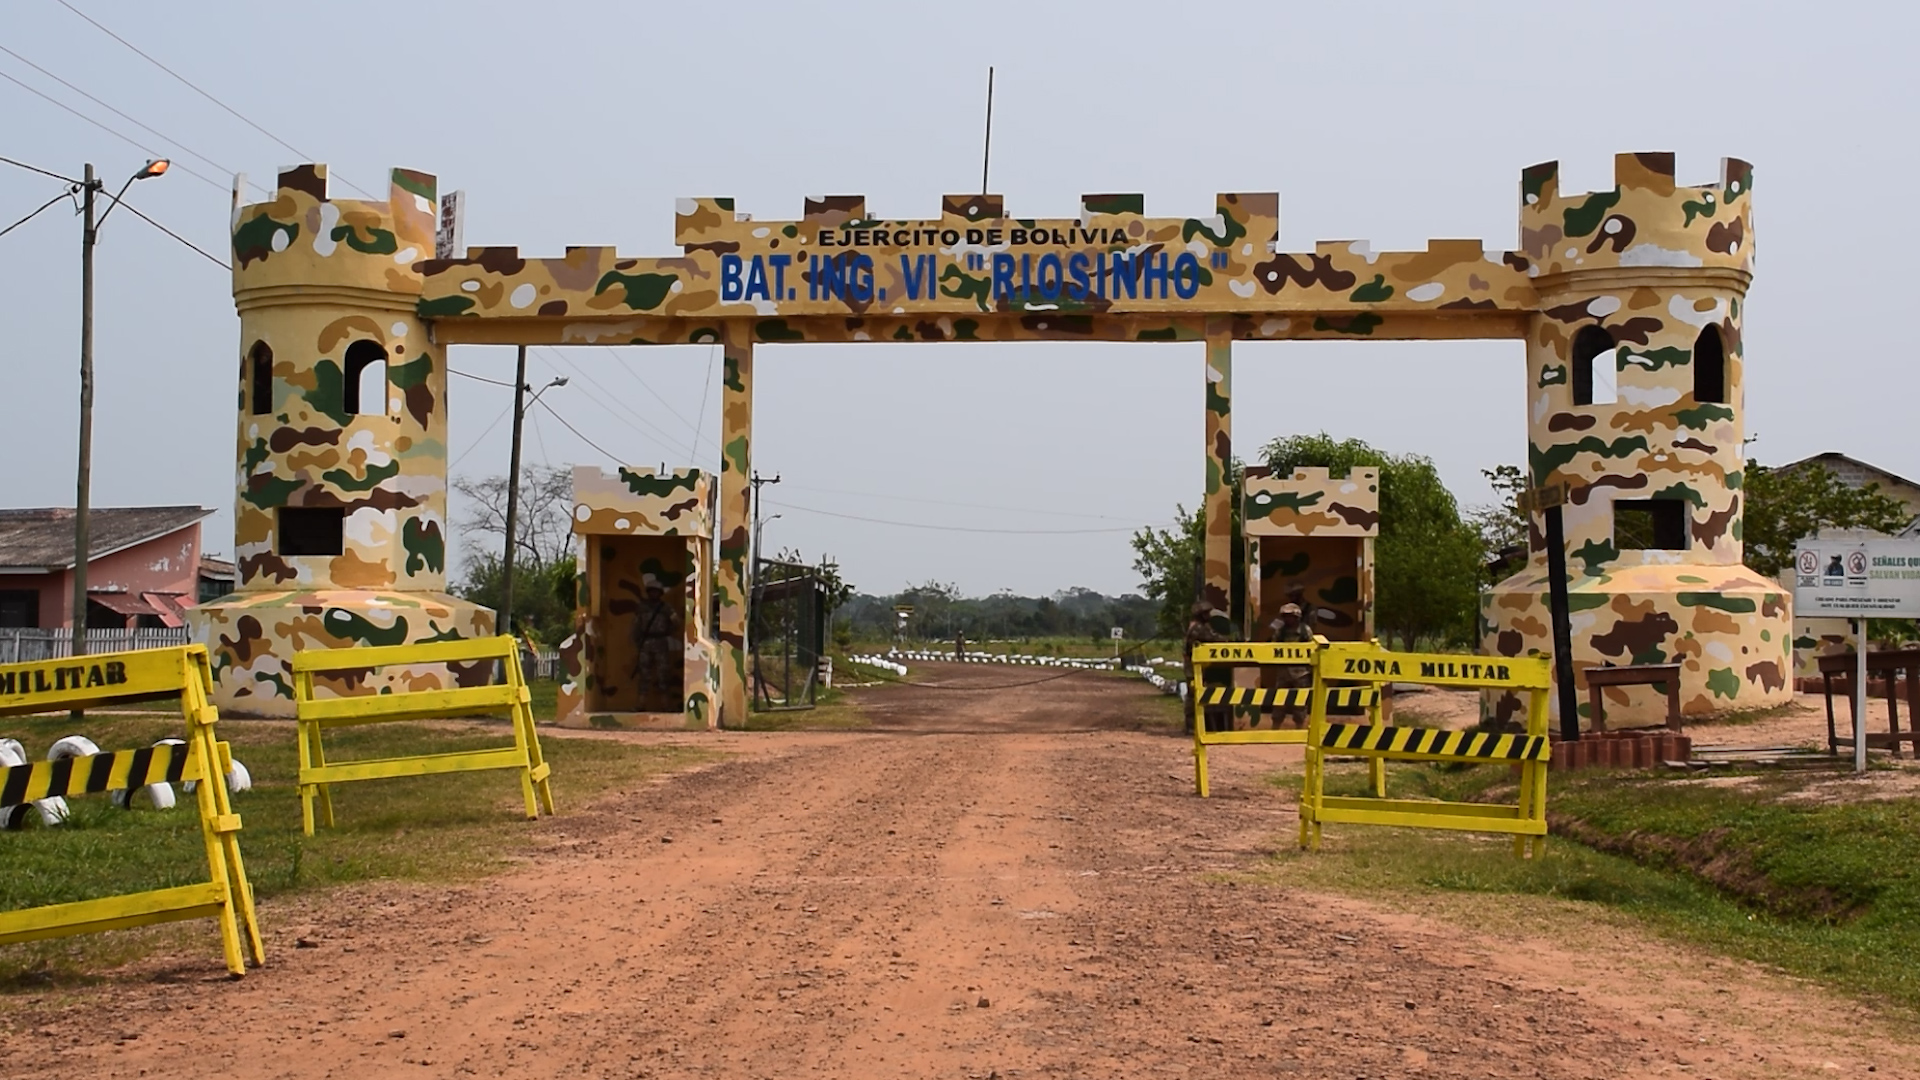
x=144, y=566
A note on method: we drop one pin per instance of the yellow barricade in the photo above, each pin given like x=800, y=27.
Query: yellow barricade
x=1369, y=664
x=89, y=682
x=317, y=714
x=1213, y=656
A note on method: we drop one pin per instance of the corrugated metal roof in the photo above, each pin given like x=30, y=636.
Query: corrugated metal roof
x=42, y=538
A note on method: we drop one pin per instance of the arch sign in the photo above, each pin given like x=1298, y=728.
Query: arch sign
x=1654, y=264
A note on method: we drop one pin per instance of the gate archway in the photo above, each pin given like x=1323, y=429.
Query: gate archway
x=1651, y=262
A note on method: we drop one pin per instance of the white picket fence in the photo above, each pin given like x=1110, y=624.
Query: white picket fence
x=24, y=645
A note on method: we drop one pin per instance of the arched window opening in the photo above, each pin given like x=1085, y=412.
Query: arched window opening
x=366, y=379
x=260, y=377
x=1709, y=366
x=1593, y=383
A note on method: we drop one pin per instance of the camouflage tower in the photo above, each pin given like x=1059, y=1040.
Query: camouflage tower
x=339, y=524
x=1634, y=399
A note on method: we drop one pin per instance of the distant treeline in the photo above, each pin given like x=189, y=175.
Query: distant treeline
x=940, y=612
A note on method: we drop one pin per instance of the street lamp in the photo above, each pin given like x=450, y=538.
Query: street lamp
x=89, y=236
x=513, y=483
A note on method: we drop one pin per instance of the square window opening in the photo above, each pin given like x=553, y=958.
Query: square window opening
x=1650, y=524
x=312, y=530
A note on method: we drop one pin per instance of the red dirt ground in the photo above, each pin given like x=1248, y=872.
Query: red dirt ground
x=988, y=883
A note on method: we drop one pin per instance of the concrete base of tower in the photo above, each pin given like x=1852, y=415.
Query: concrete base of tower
x=1729, y=629
x=253, y=635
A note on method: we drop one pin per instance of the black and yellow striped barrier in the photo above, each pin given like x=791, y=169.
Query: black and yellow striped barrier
x=116, y=678
x=1432, y=743
x=1526, y=818
x=1297, y=656
x=1338, y=697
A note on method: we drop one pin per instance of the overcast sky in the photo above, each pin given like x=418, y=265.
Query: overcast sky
x=579, y=123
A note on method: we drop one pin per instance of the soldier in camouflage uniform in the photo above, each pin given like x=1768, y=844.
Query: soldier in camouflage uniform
x=1200, y=631
x=658, y=649
x=1288, y=626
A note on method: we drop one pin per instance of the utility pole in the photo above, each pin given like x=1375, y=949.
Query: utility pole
x=513, y=495
x=753, y=557
x=520, y=406
x=83, y=481
x=89, y=233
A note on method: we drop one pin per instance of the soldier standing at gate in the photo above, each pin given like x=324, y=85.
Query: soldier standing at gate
x=1288, y=626
x=658, y=648
x=1199, y=632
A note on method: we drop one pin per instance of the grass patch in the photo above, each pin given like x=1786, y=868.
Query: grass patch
x=1827, y=891
x=430, y=828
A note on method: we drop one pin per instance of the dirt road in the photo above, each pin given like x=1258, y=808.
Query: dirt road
x=1046, y=899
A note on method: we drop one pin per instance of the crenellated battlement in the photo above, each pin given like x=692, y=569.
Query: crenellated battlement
x=1312, y=502
x=1645, y=220
x=304, y=236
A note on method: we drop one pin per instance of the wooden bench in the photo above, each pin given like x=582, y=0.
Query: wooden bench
x=1599, y=678
x=1891, y=663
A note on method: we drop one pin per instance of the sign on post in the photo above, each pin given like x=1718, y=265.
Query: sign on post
x=1860, y=580
x=1878, y=579
x=448, y=241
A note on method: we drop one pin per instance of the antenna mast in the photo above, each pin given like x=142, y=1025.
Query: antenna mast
x=986, y=153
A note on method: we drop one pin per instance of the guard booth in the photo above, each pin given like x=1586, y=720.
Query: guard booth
x=642, y=651
x=1309, y=541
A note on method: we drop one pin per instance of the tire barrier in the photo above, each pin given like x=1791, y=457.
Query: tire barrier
x=96, y=681
x=315, y=715
x=880, y=662
x=947, y=656
x=50, y=811
x=1160, y=682
x=1209, y=701
x=1371, y=666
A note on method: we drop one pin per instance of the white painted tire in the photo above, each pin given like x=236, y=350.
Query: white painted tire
x=238, y=780
x=52, y=811
x=160, y=794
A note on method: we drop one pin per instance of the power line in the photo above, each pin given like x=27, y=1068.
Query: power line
x=610, y=455
x=541, y=441
x=675, y=413
x=482, y=437
x=948, y=528
x=480, y=378
x=36, y=213
x=653, y=432
x=204, y=253
x=196, y=89
x=38, y=169
x=967, y=505
x=121, y=115
x=706, y=388
x=135, y=143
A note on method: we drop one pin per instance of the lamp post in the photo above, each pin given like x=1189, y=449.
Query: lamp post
x=89, y=236
x=513, y=483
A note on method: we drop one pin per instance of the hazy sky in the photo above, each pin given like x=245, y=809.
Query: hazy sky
x=579, y=123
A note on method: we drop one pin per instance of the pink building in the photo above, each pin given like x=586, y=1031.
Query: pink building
x=144, y=567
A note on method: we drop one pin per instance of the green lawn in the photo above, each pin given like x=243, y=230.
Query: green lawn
x=1828, y=891
x=428, y=828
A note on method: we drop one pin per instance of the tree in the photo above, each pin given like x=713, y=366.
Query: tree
x=1787, y=505
x=543, y=564
x=542, y=518
x=1428, y=562
x=838, y=591
x=1502, y=525
x=1167, y=561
